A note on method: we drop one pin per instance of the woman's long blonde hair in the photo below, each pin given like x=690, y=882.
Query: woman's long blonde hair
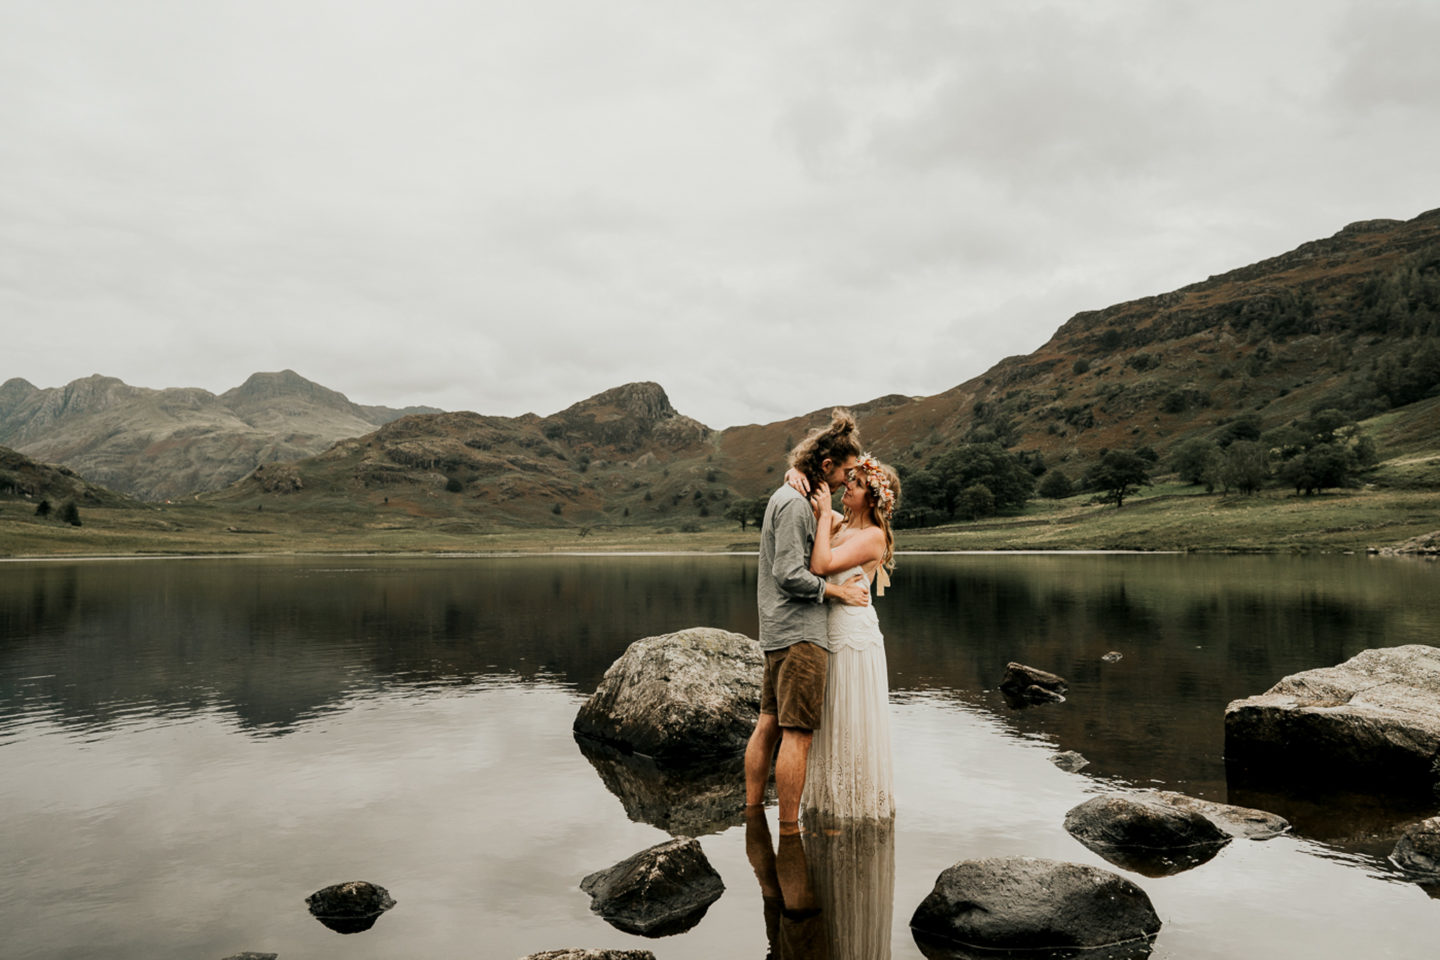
x=882, y=490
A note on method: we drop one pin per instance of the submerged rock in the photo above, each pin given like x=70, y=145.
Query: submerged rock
x=1245, y=823
x=687, y=801
x=251, y=955
x=1373, y=720
x=680, y=698
x=1020, y=677
x=1418, y=850
x=1070, y=761
x=1145, y=834
x=660, y=891
x=1023, y=903
x=349, y=907
x=1024, y=685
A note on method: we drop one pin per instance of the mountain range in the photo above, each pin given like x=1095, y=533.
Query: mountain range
x=1350, y=323
x=162, y=444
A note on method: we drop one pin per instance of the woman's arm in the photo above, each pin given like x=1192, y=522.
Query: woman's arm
x=865, y=546
x=862, y=548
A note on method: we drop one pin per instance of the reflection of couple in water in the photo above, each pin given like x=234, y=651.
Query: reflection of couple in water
x=828, y=894
x=825, y=703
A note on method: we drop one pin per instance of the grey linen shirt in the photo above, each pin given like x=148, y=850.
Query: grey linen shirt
x=791, y=598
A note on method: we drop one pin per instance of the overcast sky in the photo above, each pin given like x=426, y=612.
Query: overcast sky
x=765, y=207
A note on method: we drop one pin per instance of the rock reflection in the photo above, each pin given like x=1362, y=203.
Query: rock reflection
x=1155, y=863
x=939, y=950
x=690, y=802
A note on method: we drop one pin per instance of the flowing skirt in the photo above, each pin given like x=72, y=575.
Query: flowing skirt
x=850, y=771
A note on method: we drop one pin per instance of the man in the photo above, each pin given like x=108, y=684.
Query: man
x=794, y=635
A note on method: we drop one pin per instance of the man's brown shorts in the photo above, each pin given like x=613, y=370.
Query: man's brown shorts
x=794, y=685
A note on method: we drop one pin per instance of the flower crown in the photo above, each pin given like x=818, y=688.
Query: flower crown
x=883, y=495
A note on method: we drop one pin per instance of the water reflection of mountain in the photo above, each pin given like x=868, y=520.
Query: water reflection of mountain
x=275, y=642
x=1194, y=633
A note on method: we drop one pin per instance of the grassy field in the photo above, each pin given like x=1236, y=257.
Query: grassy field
x=1163, y=517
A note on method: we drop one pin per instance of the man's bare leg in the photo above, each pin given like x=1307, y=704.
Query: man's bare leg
x=758, y=754
x=790, y=775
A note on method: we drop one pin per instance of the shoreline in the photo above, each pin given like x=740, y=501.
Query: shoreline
x=595, y=554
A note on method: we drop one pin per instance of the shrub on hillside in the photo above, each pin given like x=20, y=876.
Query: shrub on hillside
x=1056, y=486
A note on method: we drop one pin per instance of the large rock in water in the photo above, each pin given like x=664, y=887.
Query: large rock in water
x=1374, y=719
x=350, y=907
x=678, y=698
x=1023, y=903
x=660, y=891
x=1145, y=833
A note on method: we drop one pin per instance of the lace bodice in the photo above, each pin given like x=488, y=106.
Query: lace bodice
x=849, y=626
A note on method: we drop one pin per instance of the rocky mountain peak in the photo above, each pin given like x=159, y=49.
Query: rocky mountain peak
x=628, y=417
x=283, y=383
x=645, y=401
x=14, y=392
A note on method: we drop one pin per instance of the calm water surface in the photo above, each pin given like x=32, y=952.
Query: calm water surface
x=190, y=747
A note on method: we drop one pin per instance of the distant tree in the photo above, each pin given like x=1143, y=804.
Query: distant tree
x=745, y=511
x=1080, y=366
x=1365, y=451
x=454, y=486
x=1118, y=475
x=974, y=502
x=1243, y=465
x=557, y=509
x=1194, y=460
x=1056, y=486
x=1322, y=467
x=69, y=513
x=1246, y=427
x=1003, y=473
x=42, y=509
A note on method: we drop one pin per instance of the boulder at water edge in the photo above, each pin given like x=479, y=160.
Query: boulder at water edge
x=1373, y=720
x=660, y=891
x=1145, y=834
x=349, y=907
x=679, y=698
x=1023, y=903
x=1418, y=851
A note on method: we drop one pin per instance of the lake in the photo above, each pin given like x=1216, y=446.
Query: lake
x=190, y=747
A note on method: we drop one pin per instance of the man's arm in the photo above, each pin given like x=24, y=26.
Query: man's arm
x=791, y=566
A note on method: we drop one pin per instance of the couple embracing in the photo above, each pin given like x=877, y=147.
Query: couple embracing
x=824, y=698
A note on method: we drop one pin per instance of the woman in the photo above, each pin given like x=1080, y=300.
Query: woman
x=850, y=773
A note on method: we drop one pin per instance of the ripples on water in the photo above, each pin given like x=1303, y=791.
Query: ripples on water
x=191, y=748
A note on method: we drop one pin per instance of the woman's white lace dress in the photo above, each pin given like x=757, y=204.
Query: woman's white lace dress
x=850, y=772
